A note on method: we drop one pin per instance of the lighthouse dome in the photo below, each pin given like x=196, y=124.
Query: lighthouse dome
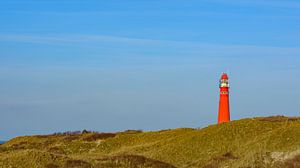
x=224, y=76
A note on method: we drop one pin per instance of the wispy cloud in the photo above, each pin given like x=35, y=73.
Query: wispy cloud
x=73, y=39
x=273, y=3
x=269, y=3
x=88, y=38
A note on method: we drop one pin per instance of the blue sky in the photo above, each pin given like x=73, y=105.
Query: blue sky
x=144, y=64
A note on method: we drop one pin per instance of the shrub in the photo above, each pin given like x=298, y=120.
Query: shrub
x=51, y=165
x=77, y=164
x=85, y=132
x=278, y=119
x=133, y=131
x=94, y=137
x=134, y=161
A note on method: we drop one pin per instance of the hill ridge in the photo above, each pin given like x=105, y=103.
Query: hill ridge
x=260, y=142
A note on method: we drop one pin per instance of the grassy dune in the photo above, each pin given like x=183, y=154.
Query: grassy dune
x=257, y=142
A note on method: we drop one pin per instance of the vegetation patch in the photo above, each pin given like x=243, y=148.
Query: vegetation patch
x=251, y=142
x=293, y=162
x=98, y=136
x=216, y=161
x=133, y=161
x=278, y=119
x=77, y=164
x=51, y=165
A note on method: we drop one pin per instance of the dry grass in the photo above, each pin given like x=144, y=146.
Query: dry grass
x=216, y=161
x=242, y=143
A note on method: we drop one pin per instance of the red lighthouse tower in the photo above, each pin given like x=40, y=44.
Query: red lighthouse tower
x=224, y=111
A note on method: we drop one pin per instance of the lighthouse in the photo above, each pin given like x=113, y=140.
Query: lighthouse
x=224, y=110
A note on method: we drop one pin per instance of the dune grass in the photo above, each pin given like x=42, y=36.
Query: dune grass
x=256, y=142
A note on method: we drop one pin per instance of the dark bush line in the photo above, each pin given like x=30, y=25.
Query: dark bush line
x=68, y=133
x=51, y=165
x=77, y=164
x=278, y=118
x=136, y=160
x=132, y=131
x=87, y=132
x=88, y=135
x=98, y=136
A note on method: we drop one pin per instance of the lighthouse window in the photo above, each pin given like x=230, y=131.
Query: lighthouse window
x=224, y=81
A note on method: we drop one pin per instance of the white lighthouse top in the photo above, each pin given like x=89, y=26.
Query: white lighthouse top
x=224, y=82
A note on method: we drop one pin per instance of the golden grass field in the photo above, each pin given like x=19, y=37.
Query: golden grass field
x=255, y=142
